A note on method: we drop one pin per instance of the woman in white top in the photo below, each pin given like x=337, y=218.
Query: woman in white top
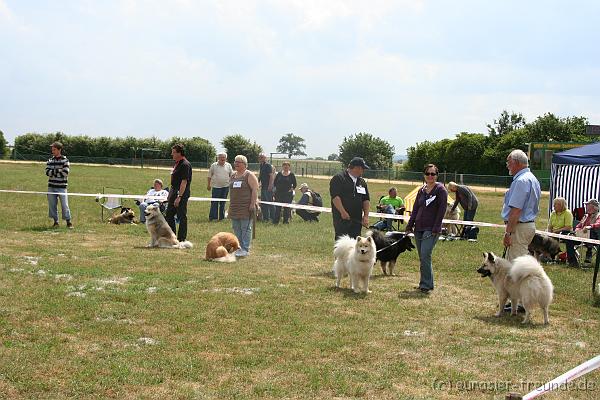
x=157, y=190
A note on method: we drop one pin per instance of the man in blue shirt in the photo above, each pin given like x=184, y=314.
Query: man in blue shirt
x=521, y=206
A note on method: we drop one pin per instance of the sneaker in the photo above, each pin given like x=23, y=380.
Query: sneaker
x=241, y=253
x=69, y=225
x=471, y=240
x=55, y=225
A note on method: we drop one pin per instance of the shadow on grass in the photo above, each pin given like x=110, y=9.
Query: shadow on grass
x=324, y=274
x=511, y=321
x=43, y=228
x=347, y=292
x=413, y=294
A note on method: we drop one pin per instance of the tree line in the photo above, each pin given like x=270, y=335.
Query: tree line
x=469, y=153
x=485, y=154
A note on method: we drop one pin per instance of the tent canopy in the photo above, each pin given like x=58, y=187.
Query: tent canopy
x=584, y=155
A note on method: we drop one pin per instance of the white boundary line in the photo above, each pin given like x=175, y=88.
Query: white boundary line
x=565, y=378
x=98, y=196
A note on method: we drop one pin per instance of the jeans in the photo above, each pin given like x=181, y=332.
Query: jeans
x=267, y=210
x=53, y=204
x=570, y=245
x=181, y=213
x=217, y=208
x=242, y=228
x=425, y=243
x=307, y=216
x=469, y=215
x=386, y=223
x=285, y=197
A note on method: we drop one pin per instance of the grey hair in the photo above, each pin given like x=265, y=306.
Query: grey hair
x=519, y=156
x=241, y=158
x=222, y=153
x=561, y=201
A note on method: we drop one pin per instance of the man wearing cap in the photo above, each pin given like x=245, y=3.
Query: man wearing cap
x=307, y=200
x=157, y=190
x=350, y=200
x=521, y=206
x=57, y=171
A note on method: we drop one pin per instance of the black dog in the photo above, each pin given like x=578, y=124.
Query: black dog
x=391, y=245
x=544, y=245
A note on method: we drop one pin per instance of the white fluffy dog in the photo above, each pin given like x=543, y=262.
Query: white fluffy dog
x=524, y=279
x=354, y=257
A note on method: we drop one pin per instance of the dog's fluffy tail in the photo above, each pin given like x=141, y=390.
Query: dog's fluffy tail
x=184, y=245
x=525, y=266
x=343, y=247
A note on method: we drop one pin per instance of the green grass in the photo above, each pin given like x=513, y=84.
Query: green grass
x=101, y=317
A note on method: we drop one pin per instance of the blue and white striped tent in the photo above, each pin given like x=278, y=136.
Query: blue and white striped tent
x=575, y=175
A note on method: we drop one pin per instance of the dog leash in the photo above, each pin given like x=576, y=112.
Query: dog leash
x=393, y=244
x=505, y=250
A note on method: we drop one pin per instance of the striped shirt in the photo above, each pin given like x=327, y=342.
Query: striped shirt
x=57, y=170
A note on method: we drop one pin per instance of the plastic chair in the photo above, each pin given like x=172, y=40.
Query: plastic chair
x=110, y=203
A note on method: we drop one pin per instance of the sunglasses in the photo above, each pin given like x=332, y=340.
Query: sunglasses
x=430, y=174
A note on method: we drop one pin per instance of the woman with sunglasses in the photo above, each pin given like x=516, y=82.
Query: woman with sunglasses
x=426, y=222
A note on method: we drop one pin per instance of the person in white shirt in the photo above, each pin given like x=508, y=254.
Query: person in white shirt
x=218, y=180
x=157, y=190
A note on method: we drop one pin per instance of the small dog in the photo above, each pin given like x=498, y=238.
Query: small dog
x=126, y=216
x=451, y=229
x=544, y=245
x=524, y=279
x=221, y=247
x=389, y=246
x=354, y=257
x=160, y=233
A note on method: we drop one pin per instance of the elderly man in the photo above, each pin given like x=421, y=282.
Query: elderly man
x=350, y=200
x=521, y=206
x=218, y=181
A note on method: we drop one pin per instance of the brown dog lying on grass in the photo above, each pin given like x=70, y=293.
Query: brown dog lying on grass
x=221, y=247
x=126, y=216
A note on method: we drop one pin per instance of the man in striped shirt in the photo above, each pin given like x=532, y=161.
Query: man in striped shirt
x=57, y=170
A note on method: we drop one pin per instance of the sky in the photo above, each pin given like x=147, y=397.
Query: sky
x=404, y=71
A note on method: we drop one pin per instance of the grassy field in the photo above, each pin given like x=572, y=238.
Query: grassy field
x=90, y=314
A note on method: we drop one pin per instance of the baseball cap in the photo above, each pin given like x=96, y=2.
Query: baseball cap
x=358, y=162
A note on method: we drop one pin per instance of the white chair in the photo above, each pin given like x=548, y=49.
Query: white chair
x=108, y=202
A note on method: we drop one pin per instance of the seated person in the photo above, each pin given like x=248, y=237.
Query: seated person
x=561, y=219
x=308, y=199
x=157, y=190
x=390, y=204
x=590, y=223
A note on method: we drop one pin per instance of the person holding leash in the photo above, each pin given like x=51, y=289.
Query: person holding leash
x=350, y=200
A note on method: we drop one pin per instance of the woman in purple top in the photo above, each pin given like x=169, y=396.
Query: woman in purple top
x=426, y=222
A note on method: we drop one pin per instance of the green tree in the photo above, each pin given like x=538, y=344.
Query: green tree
x=550, y=127
x=332, y=157
x=505, y=124
x=292, y=145
x=377, y=152
x=465, y=153
x=238, y=145
x=3, y=147
x=197, y=149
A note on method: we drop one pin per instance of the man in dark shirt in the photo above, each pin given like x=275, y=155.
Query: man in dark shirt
x=266, y=177
x=350, y=200
x=181, y=178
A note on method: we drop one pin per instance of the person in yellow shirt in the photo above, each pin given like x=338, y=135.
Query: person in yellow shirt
x=561, y=219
